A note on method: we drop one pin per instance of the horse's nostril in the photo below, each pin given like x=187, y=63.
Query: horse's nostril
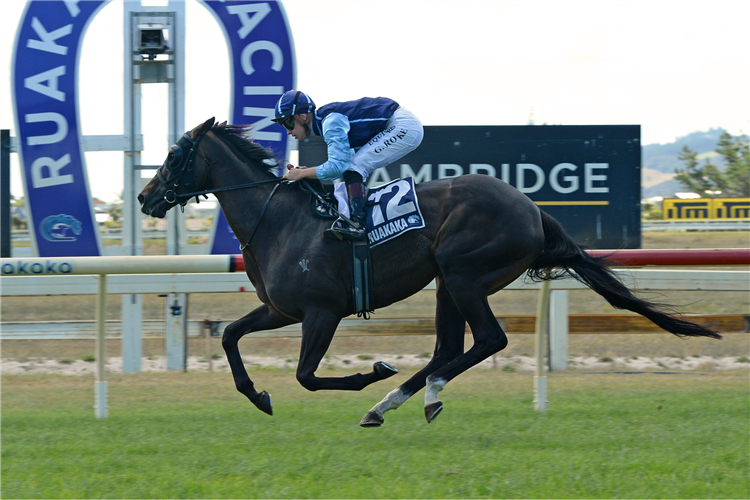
x=141, y=199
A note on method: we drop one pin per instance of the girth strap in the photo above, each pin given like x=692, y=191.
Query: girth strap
x=255, y=229
x=362, y=280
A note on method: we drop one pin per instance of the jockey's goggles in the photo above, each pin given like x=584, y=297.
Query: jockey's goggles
x=287, y=123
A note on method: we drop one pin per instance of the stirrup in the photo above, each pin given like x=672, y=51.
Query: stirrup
x=340, y=230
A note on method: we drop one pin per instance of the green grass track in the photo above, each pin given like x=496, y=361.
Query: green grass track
x=192, y=435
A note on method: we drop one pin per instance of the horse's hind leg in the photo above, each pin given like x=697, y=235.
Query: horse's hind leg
x=262, y=318
x=489, y=338
x=318, y=327
x=450, y=328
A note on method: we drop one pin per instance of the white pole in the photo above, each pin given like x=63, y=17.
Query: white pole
x=558, y=330
x=542, y=326
x=132, y=234
x=100, y=386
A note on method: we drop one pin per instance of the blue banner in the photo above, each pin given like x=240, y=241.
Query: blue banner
x=45, y=72
x=263, y=66
x=44, y=80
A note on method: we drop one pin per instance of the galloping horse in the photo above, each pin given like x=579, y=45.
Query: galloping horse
x=480, y=235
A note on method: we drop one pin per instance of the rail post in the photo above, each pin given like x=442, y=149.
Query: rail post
x=542, y=326
x=100, y=386
x=557, y=349
x=175, y=339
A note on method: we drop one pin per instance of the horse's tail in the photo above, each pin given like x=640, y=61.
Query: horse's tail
x=560, y=251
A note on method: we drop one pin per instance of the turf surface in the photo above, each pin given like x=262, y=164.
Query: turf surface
x=193, y=436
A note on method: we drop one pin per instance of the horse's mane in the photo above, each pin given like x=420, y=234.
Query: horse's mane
x=254, y=153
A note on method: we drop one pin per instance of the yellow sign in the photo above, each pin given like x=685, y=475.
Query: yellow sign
x=731, y=208
x=707, y=208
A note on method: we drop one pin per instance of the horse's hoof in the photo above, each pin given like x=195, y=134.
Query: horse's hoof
x=264, y=403
x=384, y=370
x=372, y=419
x=432, y=410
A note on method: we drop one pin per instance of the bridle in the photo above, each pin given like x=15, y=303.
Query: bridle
x=180, y=168
x=182, y=173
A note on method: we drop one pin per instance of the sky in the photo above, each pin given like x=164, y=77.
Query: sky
x=673, y=67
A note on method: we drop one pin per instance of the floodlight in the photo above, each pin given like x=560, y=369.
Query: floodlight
x=152, y=39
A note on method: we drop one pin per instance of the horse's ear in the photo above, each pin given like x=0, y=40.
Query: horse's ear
x=207, y=125
x=222, y=124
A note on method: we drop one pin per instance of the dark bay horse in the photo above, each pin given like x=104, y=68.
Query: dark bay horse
x=480, y=235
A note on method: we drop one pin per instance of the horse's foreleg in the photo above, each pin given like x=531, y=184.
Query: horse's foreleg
x=318, y=327
x=450, y=327
x=262, y=318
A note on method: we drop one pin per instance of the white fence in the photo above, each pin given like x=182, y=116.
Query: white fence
x=697, y=225
x=643, y=279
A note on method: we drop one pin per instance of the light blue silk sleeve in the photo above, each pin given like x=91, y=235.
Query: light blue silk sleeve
x=335, y=133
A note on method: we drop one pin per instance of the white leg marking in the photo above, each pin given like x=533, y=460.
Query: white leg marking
x=391, y=401
x=433, y=388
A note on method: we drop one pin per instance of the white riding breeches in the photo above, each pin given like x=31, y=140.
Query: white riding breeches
x=402, y=135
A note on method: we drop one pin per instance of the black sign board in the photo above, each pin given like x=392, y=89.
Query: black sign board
x=586, y=176
x=5, y=217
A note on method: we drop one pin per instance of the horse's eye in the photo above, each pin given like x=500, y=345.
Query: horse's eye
x=170, y=156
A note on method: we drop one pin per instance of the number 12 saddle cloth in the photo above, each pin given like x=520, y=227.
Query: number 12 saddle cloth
x=392, y=209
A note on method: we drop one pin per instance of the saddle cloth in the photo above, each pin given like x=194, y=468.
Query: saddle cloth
x=392, y=209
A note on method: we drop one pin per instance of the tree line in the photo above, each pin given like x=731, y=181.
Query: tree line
x=708, y=180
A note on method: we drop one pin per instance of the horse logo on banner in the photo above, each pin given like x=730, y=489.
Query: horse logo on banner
x=60, y=227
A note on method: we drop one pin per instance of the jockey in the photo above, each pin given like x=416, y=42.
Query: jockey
x=361, y=136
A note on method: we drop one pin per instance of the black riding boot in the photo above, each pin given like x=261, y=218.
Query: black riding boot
x=342, y=230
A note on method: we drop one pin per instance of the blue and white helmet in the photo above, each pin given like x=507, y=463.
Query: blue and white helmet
x=293, y=102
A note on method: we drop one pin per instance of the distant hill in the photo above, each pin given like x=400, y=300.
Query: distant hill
x=660, y=161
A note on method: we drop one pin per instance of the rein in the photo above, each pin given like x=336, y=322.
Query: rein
x=187, y=196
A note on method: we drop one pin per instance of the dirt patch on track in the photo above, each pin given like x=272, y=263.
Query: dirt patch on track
x=364, y=362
